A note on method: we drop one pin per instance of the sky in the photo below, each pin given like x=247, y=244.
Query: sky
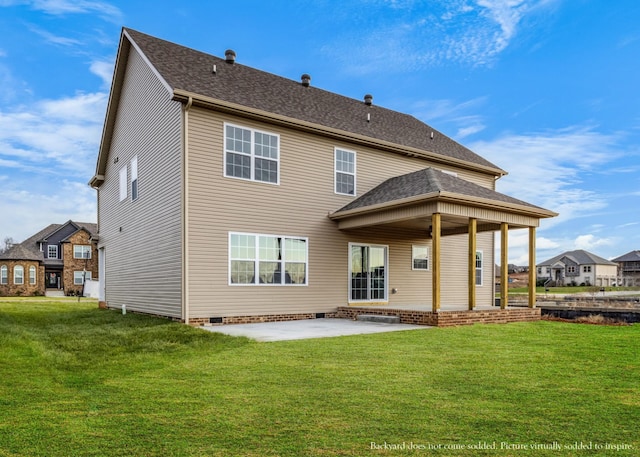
x=545, y=89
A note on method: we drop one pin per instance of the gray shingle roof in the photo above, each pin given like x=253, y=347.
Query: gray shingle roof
x=633, y=256
x=187, y=69
x=580, y=256
x=29, y=250
x=423, y=182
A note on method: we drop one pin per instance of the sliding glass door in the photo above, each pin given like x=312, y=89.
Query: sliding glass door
x=368, y=272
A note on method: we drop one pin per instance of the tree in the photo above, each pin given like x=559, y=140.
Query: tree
x=6, y=244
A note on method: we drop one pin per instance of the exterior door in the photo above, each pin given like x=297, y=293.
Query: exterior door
x=53, y=280
x=368, y=272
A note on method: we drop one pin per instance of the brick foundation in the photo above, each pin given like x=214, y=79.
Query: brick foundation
x=227, y=320
x=447, y=318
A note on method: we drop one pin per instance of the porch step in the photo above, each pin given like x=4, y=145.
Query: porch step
x=378, y=318
x=54, y=293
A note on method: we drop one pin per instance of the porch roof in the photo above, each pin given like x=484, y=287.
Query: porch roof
x=410, y=200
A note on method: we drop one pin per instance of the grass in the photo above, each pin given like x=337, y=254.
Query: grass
x=76, y=380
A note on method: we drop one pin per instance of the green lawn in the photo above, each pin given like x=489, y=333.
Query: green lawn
x=79, y=381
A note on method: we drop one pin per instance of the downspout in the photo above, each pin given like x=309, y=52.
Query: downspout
x=185, y=211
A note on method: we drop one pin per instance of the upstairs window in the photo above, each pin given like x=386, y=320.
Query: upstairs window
x=52, y=251
x=81, y=251
x=18, y=274
x=134, y=178
x=345, y=172
x=4, y=275
x=251, y=154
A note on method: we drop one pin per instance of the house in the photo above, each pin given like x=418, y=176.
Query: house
x=228, y=194
x=629, y=268
x=578, y=268
x=59, y=257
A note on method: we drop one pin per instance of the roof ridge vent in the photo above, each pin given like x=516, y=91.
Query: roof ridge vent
x=230, y=56
x=368, y=99
x=306, y=80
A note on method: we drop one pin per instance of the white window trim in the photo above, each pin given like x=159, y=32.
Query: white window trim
x=135, y=188
x=123, y=183
x=4, y=275
x=33, y=279
x=15, y=270
x=49, y=251
x=336, y=171
x=87, y=275
x=251, y=154
x=413, y=257
x=81, y=246
x=386, y=274
x=481, y=268
x=256, y=259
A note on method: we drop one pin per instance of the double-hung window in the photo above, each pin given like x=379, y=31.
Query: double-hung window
x=4, y=275
x=52, y=251
x=81, y=251
x=79, y=277
x=251, y=154
x=479, y=261
x=420, y=257
x=32, y=275
x=267, y=259
x=18, y=274
x=345, y=172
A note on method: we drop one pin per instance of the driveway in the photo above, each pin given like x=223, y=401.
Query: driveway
x=308, y=328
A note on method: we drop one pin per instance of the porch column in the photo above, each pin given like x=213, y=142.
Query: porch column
x=435, y=270
x=504, y=265
x=532, y=267
x=473, y=227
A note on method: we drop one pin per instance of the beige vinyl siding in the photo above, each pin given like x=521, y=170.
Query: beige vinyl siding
x=142, y=239
x=298, y=206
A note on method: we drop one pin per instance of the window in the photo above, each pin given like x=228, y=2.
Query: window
x=52, y=251
x=123, y=183
x=80, y=276
x=267, y=259
x=420, y=257
x=32, y=275
x=539, y=270
x=134, y=179
x=345, y=168
x=479, y=268
x=18, y=274
x=571, y=269
x=586, y=269
x=81, y=251
x=251, y=154
x=4, y=275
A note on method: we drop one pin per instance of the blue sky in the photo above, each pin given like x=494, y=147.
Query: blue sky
x=545, y=89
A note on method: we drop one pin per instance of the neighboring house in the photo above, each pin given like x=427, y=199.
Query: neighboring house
x=578, y=268
x=227, y=194
x=629, y=268
x=58, y=257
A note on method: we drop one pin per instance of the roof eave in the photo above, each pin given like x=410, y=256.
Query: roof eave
x=443, y=196
x=232, y=108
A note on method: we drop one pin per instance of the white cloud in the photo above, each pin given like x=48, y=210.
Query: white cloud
x=104, y=70
x=62, y=135
x=590, y=241
x=547, y=168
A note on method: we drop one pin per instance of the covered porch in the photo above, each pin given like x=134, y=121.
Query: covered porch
x=437, y=205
